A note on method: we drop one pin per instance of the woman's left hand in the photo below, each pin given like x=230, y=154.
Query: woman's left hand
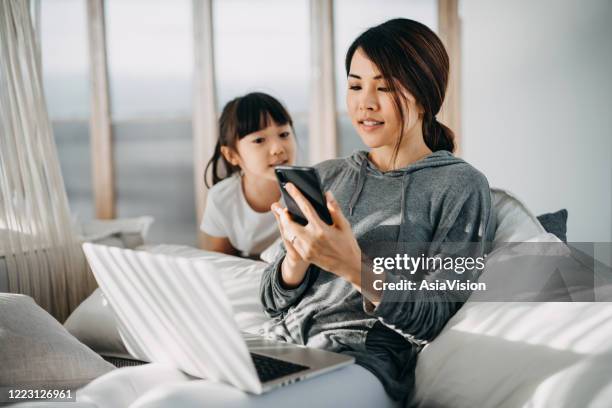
x=330, y=247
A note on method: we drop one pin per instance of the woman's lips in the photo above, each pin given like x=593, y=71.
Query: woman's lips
x=370, y=125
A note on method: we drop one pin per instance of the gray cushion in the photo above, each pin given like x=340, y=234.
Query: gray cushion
x=555, y=223
x=36, y=350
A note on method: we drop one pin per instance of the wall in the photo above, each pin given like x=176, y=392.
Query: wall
x=536, y=100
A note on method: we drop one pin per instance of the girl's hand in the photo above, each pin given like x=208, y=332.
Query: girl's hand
x=330, y=247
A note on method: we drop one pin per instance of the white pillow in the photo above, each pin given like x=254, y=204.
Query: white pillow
x=515, y=223
x=505, y=354
x=94, y=323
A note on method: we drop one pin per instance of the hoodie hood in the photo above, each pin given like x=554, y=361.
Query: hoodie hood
x=360, y=162
x=436, y=159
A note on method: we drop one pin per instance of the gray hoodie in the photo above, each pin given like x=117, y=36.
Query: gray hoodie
x=438, y=199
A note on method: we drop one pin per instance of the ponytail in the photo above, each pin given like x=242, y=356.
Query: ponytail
x=213, y=165
x=436, y=135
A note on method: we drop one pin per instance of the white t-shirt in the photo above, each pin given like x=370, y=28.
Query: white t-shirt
x=228, y=215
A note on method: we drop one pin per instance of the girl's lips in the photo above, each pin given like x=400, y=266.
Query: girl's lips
x=280, y=163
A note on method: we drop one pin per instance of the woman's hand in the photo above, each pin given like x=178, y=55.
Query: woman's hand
x=293, y=268
x=330, y=247
x=287, y=236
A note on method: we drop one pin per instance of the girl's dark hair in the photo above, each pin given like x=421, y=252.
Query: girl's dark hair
x=240, y=117
x=411, y=56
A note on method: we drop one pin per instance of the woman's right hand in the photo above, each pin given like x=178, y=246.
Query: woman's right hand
x=293, y=267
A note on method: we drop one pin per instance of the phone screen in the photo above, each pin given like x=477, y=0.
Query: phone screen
x=307, y=181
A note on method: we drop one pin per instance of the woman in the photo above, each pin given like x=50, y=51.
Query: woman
x=408, y=188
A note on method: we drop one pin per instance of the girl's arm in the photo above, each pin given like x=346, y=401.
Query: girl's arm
x=218, y=244
x=214, y=226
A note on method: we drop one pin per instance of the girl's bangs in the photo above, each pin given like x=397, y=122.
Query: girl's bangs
x=255, y=111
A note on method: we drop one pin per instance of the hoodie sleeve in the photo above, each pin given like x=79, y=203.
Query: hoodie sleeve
x=277, y=299
x=465, y=229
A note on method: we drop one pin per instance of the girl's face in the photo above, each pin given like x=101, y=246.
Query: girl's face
x=259, y=152
x=371, y=107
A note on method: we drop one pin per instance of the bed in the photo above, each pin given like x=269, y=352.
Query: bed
x=490, y=354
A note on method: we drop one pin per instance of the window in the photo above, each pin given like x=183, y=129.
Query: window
x=150, y=63
x=65, y=67
x=258, y=46
x=264, y=46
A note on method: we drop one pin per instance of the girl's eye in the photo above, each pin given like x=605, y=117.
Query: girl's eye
x=284, y=135
x=383, y=89
x=354, y=87
x=259, y=140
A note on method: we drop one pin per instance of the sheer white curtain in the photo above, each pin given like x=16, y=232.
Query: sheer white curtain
x=40, y=248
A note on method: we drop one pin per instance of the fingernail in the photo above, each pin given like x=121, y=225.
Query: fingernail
x=278, y=210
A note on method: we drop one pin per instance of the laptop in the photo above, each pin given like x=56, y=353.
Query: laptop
x=173, y=310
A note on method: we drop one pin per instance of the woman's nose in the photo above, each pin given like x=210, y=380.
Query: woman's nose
x=368, y=102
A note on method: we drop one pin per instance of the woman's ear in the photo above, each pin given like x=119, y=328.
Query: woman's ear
x=421, y=112
x=230, y=155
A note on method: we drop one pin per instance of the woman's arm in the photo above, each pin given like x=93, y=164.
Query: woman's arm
x=466, y=231
x=276, y=295
x=292, y=273
x=466, y=226
x=285, y=280
x=218, y=244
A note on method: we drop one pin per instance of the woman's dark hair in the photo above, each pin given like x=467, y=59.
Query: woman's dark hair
x=240, y=117
x=411, y=56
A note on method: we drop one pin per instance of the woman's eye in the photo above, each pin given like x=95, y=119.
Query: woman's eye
x=383, y=89
x=259, y=140
x=284, y=134
x=354, y=87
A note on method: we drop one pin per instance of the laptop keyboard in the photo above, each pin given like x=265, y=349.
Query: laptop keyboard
x=269, y=368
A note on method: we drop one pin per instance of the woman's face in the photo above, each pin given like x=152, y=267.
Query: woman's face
x=259, y=152
x=371, y=107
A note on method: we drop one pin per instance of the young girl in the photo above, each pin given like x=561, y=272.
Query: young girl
x=255, y=135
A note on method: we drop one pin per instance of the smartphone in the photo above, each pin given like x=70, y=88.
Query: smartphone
x=305, y=179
